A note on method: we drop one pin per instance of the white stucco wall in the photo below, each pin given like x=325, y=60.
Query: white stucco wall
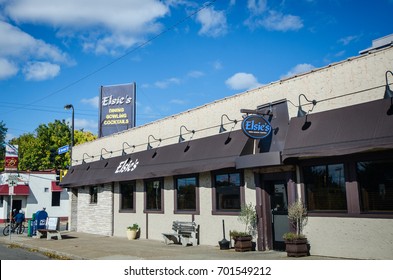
x=362, y=238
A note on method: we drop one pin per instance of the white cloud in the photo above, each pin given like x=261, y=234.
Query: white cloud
x=298, y=69
x=39, y=71
x=17, y=48
x=104, y=26
x=7, y=69
x=257, y=7
x=277, y=21
x=347, y=40
x=94, y=102
x=166, y=83
x=177, y=101
x=242, y=81
x=214, y=23
x=195, y=74
x=85, y=124
x=262, y=16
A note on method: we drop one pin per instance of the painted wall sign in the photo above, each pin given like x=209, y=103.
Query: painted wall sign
x=256, y=126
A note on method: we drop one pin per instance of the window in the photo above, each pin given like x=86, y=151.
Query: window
x=93, y=194
x=375, y=179
x=186, y=194
x=154, y=195
x=127, y=195
x=228, y=192
x=56, y=198
x=325, y=187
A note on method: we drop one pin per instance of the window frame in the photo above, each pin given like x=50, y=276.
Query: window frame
x=55, y=199
x=197, y=201
x=326, y=167
x=363, y=209
x=162, y=208
x=93, y=195
x=351, y=183
x=133, y=208
x=231, y=212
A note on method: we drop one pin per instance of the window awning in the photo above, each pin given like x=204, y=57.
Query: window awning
x=205, y=154
x=359, y=128
x=18, y=190
x=55, y=187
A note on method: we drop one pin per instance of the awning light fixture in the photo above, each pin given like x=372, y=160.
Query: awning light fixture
x=301, y=112
x=83, y=157
x=222, y=128
x=108, y=152
x=388, y=91
x=149, y=147
x=181, y=139
x=123, y=150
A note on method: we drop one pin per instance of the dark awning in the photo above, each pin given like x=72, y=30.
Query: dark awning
x=359, y=128
x=210, y=153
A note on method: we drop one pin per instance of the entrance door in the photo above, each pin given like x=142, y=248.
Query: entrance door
x=279, y=210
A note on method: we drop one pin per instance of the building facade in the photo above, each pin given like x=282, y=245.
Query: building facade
x=34, y=191
x=335, y=155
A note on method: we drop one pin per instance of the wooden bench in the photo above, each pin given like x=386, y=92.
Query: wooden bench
x=52, y=229
x=183, y=233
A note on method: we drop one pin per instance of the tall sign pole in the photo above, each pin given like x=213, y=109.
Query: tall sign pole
x=12, y=182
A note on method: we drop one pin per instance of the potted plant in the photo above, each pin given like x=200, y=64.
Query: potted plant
x=296, y=244
x=243, y=239
x=133, y=231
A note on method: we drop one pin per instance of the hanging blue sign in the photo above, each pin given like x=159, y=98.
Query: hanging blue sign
x=256, y=126
x=63, y=149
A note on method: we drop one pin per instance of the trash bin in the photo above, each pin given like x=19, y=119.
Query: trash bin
x=32, y=226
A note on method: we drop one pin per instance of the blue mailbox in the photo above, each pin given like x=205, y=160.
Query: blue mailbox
x=41, y=217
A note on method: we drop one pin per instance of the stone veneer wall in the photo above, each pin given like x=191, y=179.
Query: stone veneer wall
x=96, y=218
x=74, y=210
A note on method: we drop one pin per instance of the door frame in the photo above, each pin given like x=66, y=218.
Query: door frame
x=263, y=204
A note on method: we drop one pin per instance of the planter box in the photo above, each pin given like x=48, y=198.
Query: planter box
x=243, y=243
x=297, y=248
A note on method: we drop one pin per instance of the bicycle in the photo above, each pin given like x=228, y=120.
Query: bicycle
x=12, y=225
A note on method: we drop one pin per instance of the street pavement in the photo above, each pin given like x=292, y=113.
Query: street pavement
x=84, y=246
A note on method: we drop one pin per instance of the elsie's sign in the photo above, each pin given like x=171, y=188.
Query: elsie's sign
x=256, y=126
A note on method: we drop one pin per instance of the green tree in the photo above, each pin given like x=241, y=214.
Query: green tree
x=39, y=151
x=3, y=134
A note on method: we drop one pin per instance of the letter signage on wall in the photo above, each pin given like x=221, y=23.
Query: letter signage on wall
x=256, y=126
x=117, y=108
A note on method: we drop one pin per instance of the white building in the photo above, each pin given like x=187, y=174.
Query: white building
x=325, y=158
x=34, y=191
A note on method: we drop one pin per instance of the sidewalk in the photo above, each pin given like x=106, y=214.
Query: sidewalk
x=83, y=246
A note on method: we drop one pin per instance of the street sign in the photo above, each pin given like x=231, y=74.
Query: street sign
x=63, y=149
x=12, y=180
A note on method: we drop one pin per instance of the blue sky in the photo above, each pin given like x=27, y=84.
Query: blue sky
x=180, y=53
